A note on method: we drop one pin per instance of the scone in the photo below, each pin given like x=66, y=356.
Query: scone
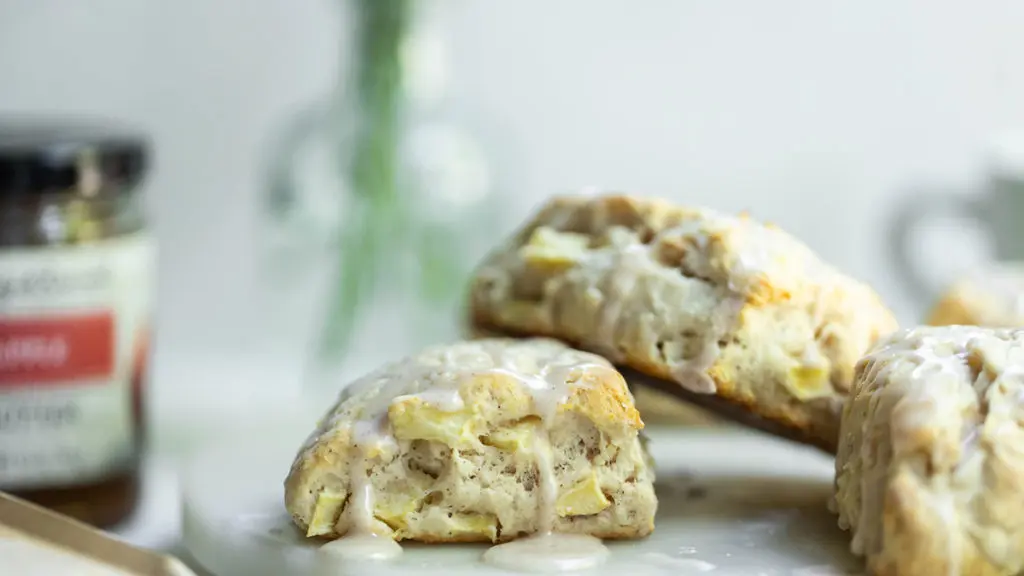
x=486, y=440
x=732, y=314
x=930, y=468
x=655, y=405
x=992, y=296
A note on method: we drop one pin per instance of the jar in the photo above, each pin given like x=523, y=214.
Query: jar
x=75, y=283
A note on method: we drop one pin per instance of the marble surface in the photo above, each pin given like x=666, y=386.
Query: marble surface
x=731, y=502
x=259, y=400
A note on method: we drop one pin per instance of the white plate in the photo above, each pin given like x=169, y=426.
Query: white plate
x=730, y=503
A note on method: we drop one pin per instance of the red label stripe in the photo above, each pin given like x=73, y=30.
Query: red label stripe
x=65, y=349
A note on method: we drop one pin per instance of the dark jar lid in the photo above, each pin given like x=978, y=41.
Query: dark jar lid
x=48, y=156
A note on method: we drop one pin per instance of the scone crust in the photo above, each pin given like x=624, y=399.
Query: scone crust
x=785, y=354
x=426, y=475
x=655, y=404
x=990, y=296
x=930, y=469
x=952, y=309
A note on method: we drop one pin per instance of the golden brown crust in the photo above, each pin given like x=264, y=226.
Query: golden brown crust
x=655, y=405
x=741, y=410
x=950, y=310
x=709, y=302
x=990, y=296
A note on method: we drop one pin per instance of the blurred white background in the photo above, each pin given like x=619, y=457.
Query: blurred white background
x=815, y=114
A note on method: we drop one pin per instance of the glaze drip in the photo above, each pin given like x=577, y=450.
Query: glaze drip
x=629, y=261
x=435, y=379
x=548, y=551
x=928, y=366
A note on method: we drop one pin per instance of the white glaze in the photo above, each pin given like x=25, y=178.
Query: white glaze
x=547, y=484
x=681, y=565
x=629, y=261
x=545, y=553
x=435, y=377
x=928, y=365
x=757, y=516
x=350, y=555
x=360, y=547
x=445, y=400
x=732, y=255
x=628, y=265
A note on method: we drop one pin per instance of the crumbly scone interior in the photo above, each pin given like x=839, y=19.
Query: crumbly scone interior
x=480, y=441
x=930, y=468
x=717, y=304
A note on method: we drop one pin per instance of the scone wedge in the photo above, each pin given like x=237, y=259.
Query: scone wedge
x=486, y=440
x=731, y=314
x=930, y=469
x=989, y=296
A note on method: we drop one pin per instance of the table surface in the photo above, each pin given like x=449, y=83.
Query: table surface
x=253, y=396
x=725, y=502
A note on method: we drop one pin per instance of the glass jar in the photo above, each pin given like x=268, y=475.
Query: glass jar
x=75, y=284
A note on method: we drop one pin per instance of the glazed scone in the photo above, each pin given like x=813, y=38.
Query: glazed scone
x=733, y=314
x=930, y=467
x=486, y=440
x=655, y=406
x=992, y=296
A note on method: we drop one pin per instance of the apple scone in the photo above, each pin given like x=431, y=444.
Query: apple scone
x=991, y=296
x=487, y=440
x=732, y=314
x=930, y=467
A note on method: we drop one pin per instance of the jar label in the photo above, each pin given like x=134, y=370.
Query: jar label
x=73, y=324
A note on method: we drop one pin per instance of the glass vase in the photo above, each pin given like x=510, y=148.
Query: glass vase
x=383, y=192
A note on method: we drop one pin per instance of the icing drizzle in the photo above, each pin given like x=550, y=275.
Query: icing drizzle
x=730, y=255
x=543, y=368
x=629, y=261
x=929, y=366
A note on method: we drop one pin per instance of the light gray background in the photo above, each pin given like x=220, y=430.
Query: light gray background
x=815, y=114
